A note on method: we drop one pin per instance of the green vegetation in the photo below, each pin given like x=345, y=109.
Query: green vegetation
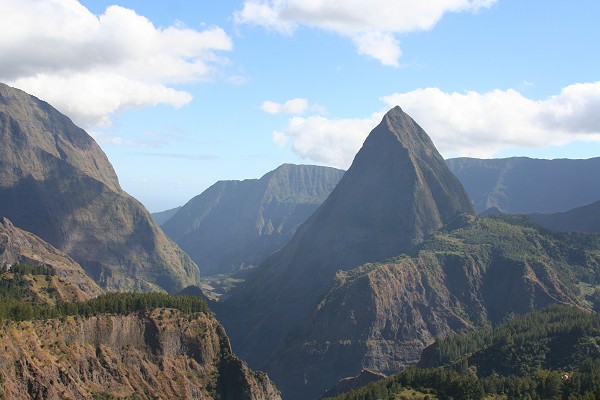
x=549, y=354
x=13, y=279
x=28, y=269
x=574, y=258
x=13, y=309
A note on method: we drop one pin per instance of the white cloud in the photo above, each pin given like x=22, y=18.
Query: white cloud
x=460, y=124
x=483, y=124
x=371, y=24
x=380, y=46
x=332, y=142
x=292, y=106
x=91, y=66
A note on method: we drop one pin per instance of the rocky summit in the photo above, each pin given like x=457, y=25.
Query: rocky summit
x=56, y=182
x=397, y=192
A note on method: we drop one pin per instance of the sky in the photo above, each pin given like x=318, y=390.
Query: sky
x=183, y=93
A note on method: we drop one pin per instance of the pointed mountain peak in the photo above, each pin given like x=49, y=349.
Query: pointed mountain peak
x=397, y=191
x=407, y=132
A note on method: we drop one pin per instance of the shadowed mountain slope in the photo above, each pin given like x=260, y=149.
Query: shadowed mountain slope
x=234, y=224
x=521, y=185
x=580, y=219
x=56, y=182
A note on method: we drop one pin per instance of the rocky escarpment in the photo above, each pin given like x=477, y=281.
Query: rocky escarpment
x=235, y=224
x=143, y=355
x=19, y=246
x=521, y=185
x=56, y=182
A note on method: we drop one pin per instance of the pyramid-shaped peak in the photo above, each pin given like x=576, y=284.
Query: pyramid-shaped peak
x=404, y=129
x=397, y=191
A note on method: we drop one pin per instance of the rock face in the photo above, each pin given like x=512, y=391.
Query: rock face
x=397, y=191
x=19, y=246
x=56, y=182
x=239, y=223
x=580, y=219
x=521, y=185
x=149, y=355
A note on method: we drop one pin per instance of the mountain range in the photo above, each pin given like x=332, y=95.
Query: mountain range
x=521, y=185
x=357, y=271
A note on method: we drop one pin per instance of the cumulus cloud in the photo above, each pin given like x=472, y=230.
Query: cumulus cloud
x=327, y=141
x=483, y=124
x=371, y=24
x=90, y=66
x=292, y=106
x=460, y=124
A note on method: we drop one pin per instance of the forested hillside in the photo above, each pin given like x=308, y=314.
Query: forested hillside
x=549, y=354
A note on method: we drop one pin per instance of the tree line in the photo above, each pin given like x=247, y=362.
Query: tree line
x=13, y=309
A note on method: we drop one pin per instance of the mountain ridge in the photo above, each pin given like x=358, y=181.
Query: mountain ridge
x=237, y=224
x=522, y=185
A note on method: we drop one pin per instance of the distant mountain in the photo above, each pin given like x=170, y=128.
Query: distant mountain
x=521, y=185
x=580, y=219
x=20, y=247
x=163, y=216
x=396, y=193
x=56, y=182
x=234, y=224
x=155, y=351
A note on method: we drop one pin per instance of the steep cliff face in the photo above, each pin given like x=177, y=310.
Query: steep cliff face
x=239, y=223
x=521, y=185
x=19, y=246
x=56, y=182
x=381, y=316
x=397, y=191
x=158, y=354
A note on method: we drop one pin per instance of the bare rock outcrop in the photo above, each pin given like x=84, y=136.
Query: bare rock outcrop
x=161, y=354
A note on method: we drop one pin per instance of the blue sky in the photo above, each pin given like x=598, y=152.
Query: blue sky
x=180, y=94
